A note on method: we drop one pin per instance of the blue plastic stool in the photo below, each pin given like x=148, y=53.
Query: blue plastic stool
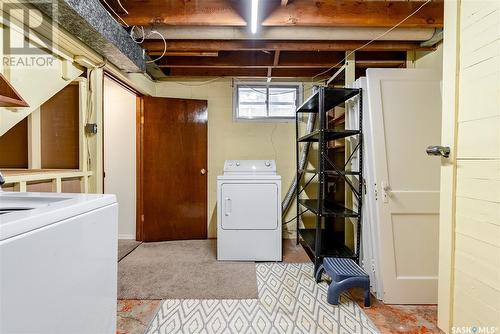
x=345, y=274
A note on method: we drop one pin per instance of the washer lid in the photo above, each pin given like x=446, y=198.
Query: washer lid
x=246, y=167
x=43, y=209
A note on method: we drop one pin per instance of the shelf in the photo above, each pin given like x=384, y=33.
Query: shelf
x=32, y=175
x=329, y=209
x=332, y=244
x=9, y=97
x=331, y=137
x=329, y=172
x=328, y=134
x=333, y=97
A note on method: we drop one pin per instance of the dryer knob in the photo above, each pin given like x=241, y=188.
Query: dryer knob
x=268, y=164
x=237, y=164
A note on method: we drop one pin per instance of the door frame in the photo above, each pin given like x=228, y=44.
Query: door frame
x=450, y=89
x=139, y=229
x=139, y=212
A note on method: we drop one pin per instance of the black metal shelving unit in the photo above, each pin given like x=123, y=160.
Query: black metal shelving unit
x=324, y=240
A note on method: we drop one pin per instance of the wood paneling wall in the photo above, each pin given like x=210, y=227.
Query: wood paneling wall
x=476, y=299
x=59, y=130
x=14, y=146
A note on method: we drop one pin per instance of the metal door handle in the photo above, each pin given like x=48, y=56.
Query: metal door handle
x=203, y=171
x=227, y=206
x=443, y=151
x=386, y=192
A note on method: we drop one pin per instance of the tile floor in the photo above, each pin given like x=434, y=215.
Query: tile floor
x=135, y=315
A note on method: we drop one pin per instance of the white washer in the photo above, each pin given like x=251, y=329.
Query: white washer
x=58, y=267
x=249, y=211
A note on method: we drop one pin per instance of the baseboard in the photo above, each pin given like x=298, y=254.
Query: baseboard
x=126, y=236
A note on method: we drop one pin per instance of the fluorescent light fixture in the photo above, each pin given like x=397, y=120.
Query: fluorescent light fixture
x=255, y=12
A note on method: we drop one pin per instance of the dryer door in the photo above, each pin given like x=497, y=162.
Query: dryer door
x=249, y=206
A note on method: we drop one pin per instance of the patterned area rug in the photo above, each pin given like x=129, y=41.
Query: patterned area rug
x=289, y=301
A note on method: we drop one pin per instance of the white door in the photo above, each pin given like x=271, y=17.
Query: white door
x=119, y=153
x=249, y=206
x=405, y=108
x=369, y=233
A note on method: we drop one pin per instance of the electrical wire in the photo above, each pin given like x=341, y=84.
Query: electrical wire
x=373, y=40
x=132, y=30
x=90, y=108
x=164, y=45
x=132, y=35
x=116, y=14
x=120, y=4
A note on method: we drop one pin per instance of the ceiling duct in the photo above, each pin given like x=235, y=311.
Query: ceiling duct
x=92, y=24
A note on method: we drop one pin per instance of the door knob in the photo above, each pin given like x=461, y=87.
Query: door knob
x=386, y=192
x=443, y=151
x=203, y=171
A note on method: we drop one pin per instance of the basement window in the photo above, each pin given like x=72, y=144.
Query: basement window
x=266, y=101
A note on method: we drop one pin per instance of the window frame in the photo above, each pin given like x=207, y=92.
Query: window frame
x=256, y=84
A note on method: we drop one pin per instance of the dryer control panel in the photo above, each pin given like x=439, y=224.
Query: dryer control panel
x=250, y=167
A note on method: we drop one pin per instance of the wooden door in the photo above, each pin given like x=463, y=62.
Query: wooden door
x=405, y=106
x=173, y=162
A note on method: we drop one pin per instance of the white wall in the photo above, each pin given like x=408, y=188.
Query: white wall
x=469, y=291
x=120, y=153
x=431, y=59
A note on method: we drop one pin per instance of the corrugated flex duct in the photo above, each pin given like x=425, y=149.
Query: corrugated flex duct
x=290, y=194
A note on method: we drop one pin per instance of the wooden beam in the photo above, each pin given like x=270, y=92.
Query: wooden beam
x=276, y=61
x=245, y=72
x=328, y=13
x=218, y=72
x=380, y=63
x=272, y=45
x=318, y=66
x=345, y=13
x=276, y=57
x=184, y=53
x=181, y=13
x=252, y=59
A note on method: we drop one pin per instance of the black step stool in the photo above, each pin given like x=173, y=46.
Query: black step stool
x=345, y=274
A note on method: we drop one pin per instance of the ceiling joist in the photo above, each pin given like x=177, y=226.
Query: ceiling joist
x=297, y=38
x=273, y=45
x=326, y=13
x=356, y=14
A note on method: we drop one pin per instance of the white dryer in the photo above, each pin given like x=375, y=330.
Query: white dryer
x=249, y=211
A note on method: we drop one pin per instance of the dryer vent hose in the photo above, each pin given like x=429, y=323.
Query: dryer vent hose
x=290, y=194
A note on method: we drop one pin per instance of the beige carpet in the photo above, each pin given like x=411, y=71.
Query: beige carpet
x=185, y=269
x=125, y=247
